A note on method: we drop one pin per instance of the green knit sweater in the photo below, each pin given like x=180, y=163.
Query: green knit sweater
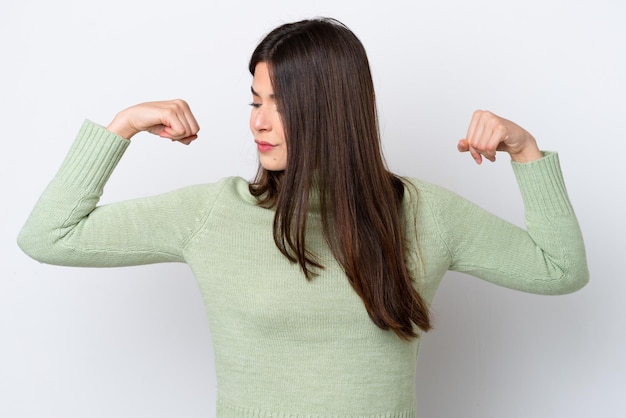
x=284, y=346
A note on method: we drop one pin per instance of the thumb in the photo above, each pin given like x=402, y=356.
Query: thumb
x=463, y=146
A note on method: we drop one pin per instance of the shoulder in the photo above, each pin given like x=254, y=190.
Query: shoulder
x=226, y=189
x=420, y=192
x=430, y=204
x=227, y=198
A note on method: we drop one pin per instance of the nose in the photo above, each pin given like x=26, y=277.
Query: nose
x=260, y=120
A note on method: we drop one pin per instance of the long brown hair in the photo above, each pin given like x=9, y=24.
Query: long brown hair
x=325, y=95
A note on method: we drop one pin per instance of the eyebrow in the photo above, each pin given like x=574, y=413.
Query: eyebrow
x=254, y=93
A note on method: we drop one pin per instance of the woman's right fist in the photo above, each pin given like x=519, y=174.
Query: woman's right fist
x=170, y=119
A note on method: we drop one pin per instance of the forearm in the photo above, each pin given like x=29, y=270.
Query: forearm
x=550, y=218
x=73, y=193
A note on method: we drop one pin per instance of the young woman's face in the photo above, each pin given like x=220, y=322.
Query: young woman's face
x=265, y=122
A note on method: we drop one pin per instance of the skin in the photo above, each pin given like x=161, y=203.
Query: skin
x=265, y=122
x=170, y=119
x=173, y=119
x=488, y=133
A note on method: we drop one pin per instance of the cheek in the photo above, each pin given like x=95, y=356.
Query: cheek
x=281, y=132
x=277, y=125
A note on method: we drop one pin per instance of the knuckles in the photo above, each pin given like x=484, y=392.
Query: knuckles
x=180, y=103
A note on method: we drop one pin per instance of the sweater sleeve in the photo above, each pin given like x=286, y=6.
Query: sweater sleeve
x=548, y=257
x=66, y=227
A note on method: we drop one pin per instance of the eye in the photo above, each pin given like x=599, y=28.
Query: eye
x=255, y=105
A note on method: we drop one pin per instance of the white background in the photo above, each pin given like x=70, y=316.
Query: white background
x=134, y=342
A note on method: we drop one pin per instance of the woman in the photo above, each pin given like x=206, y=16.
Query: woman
x=316, y=276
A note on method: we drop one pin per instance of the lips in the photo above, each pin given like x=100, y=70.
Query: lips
x=264, y=146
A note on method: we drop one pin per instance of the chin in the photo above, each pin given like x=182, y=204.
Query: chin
x=272, y=168
x=273, y=165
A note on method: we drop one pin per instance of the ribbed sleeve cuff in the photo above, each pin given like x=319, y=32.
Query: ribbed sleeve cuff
x=542, y=186
x=92, y=157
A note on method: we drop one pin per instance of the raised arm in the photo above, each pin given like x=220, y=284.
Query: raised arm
x=546, y=257
x=68, y=227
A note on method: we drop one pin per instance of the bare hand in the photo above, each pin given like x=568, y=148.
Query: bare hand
x=170, y=119
x=489, y=133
